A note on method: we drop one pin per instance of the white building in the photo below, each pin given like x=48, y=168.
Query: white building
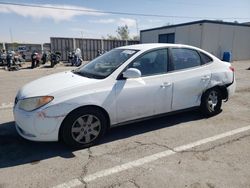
x=216, y=37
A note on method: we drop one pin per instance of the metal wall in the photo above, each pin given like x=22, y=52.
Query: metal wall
x=219, y=38
x=29, y=48
x=89, y=47
x=214, y=38
x=187, y=34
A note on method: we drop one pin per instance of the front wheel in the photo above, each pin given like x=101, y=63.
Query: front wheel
x=211, y=102
x=83, y=128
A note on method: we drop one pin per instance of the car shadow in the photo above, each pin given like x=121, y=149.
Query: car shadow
x=15, y=150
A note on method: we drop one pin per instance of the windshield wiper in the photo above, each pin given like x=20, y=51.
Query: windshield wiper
x=81, y=74
x=88, y=75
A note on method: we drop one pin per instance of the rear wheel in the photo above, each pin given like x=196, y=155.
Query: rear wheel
x=52, y=63
x=211, y=102
x=84, y=128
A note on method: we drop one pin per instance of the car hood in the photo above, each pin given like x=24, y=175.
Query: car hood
x=54, y=83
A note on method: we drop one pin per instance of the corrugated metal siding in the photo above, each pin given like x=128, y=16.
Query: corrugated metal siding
x=89, y=47
x=215, y=38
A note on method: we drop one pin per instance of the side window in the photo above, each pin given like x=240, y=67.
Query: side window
x=152, y=63
x=183, y=58
x=205, y=58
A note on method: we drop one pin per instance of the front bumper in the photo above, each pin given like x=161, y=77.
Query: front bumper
x=35, y=126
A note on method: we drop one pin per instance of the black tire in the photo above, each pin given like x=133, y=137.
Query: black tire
x=79, y=63
x=52, y=64
x=71, y=121
x=211, y=102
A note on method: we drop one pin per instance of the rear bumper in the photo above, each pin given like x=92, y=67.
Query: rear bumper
x=231, y=88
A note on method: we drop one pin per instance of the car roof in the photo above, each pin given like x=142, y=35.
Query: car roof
x=149, y=46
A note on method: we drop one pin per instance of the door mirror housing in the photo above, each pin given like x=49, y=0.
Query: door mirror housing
x=132, y=73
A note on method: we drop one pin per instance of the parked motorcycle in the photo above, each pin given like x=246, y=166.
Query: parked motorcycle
x=11, y=61
x=44, y=58
x=55, y=58
x=3, y=57
x=77, y=60
x=35, y=60
x=71, y=58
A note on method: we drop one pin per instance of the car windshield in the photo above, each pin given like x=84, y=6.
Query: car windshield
x=104, y=65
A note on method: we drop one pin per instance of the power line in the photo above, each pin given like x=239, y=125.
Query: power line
x=112, y=12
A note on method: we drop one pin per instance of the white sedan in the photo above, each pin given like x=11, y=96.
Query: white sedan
x=126, y=84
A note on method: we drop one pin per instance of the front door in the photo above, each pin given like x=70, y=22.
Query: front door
x=148, y=95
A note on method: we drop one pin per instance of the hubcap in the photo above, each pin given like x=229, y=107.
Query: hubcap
x=86, y=129
x=212, y=100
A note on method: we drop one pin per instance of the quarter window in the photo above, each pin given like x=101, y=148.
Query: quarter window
x=152, y=63
x=183, y=58
x=205, y=58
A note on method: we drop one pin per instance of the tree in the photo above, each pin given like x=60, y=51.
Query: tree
x=123, y=32
x=111, y=37
x=136, y=37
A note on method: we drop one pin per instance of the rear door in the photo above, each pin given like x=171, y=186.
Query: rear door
x=190, y=77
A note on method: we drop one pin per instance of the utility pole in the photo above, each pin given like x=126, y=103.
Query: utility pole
x=11, y=38
x=137, y=28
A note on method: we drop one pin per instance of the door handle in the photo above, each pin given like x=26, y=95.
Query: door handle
x=166, y=84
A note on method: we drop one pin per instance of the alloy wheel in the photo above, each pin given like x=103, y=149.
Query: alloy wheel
x=86, y=129
x=212, y=100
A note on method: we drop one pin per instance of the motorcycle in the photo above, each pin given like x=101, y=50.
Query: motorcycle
x=3, y=58
x=55, y=58
x=11, y=61
x=44, y=58
x=35, y=60
x=71, y=58
x=77, y=59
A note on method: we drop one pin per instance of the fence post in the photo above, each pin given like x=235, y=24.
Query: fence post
x=74, y=43
x=42, y=47
x=102, y=45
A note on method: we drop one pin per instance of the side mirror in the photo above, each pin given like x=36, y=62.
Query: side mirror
x=132, y=73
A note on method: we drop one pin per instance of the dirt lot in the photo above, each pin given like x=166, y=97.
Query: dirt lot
x=164, y=152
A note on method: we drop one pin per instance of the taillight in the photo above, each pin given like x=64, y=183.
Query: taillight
x=231, y=68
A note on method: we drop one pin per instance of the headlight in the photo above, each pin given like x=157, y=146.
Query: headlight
x=33, y=103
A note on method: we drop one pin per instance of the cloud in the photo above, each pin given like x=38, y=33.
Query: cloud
x=127, y=21
x=103, y=21
x=120, y=22
x=78, y=29
x=154, y=21
x=56, y=14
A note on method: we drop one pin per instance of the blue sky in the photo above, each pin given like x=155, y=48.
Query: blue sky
x=36, y=25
